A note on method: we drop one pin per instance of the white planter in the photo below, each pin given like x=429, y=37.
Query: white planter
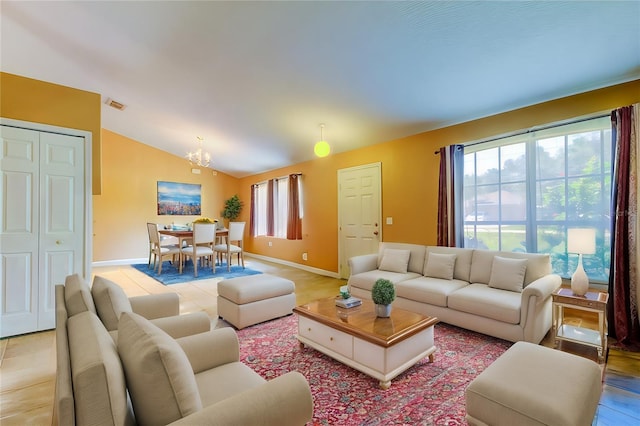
x=383, y=311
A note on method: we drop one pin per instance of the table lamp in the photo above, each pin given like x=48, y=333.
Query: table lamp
x=580, y=241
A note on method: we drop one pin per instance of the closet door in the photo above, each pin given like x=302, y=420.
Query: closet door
x=61, y=236
x=42, y=224
x=20, y=163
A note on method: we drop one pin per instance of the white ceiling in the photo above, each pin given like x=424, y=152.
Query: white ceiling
x=256, y=79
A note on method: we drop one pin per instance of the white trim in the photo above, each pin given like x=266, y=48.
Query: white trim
x=118, y=262
x=294, y=265
x=88, y=205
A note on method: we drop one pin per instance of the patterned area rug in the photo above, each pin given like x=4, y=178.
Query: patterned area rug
x=170, y=274
x=425, y=394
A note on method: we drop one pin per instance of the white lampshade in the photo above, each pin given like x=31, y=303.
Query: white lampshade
x=581, y=240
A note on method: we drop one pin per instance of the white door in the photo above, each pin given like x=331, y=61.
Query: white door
x=42, y=229
x=359, y=213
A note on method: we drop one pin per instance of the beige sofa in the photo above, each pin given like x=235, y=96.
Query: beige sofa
x=142, y=375
x=502, y=294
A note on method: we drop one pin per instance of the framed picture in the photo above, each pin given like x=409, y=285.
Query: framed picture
x=182, y=199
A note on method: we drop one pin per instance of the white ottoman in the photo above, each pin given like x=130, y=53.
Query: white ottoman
x=246, y=301
x=535, y=385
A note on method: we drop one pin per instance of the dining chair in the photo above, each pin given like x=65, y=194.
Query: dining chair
x=158, y=251
x=204, y=235
x=233, y=244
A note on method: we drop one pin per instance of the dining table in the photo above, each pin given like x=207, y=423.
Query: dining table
x=187, y=235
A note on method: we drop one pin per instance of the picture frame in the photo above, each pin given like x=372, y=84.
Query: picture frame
x=179, y=199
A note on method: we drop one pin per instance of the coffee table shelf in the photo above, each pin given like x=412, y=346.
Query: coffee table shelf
x=379, y=347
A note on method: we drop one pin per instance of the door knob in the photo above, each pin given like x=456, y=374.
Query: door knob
x=58, y=242
x=375, y=232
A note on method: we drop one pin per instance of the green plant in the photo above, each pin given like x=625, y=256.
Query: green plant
x=232, y=208
x=383, y=292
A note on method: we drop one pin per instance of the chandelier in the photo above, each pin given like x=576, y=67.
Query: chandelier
x=199, y=157
x=322, y=147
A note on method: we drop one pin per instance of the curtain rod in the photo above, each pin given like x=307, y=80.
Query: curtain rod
x=536, y=129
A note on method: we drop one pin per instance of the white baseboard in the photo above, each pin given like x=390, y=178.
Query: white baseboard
x=118, y=262
x=295, y=265
x=318, y=271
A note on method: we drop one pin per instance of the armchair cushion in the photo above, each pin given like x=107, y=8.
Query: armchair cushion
x=394, y=260
x=99, y=384
x=77, y=296
x=159, y=376
x=111, y=301
x=508, y=274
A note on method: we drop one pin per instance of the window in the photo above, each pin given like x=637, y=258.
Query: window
x=523, y=192
x=271, y=211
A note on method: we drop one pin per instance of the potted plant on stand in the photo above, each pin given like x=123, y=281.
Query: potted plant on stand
x=382, y=294
x=232, y=208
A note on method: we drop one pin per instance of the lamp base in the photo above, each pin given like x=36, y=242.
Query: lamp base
x=579, y=280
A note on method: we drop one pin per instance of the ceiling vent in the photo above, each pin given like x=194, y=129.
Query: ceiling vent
x=115, y=104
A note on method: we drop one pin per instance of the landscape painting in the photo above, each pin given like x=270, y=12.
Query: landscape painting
x=179, y=199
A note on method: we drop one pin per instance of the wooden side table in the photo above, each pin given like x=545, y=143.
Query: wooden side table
x=590, y=302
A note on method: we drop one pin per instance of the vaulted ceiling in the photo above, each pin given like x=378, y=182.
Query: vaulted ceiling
x=256, y=79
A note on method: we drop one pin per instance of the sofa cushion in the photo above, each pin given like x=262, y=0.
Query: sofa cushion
x=111, y=301
x=433, y=291
x=416, y=259
x=485, y=301
x=159, y=376
x=366, y=280
x=538, y=265
x=77, y=295
x=99, y=386
x=508, y=274
x=394, y=260
x=463, y=260
x=440, y=265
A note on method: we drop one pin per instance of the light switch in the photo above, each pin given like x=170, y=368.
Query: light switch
x=389, y=220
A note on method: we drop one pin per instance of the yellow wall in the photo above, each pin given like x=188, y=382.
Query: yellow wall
x=130, y=170
x=129, y=195
x=37, y=101
x=409, y=176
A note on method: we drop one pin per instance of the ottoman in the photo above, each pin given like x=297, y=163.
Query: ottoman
x=535, y=385
x=246, y=301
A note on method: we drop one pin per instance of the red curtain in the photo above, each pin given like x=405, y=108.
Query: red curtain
x=623, y=276
x=450, y=196
x=270, y=208
x=252, y=213
x=294, y=219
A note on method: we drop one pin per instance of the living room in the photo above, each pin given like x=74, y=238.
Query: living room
x=126, y=173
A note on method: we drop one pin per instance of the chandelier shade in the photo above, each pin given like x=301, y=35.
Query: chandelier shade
x=199, y=157
x=322, y=147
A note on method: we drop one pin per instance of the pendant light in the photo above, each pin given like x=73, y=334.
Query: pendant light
x=322, y=148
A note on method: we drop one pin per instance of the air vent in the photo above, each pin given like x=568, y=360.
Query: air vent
x=115, y=104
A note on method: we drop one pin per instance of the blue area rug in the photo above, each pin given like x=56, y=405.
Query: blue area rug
x=170, y=273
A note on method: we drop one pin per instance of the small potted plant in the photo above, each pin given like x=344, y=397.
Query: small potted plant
x=382, y=294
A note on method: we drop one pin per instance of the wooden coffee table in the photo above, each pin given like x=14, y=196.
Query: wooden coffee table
x=379, y=347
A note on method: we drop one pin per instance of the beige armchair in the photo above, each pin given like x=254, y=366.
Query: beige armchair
x=201, y=381
x=212, y=386
x=107, y=300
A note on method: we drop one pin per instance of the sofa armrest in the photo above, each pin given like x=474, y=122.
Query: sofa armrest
x=156, y=305
x=536, y=294
x=184, y=325
x=283, y=401
x=363, y=263
x=542, y=287
x=211, y=349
